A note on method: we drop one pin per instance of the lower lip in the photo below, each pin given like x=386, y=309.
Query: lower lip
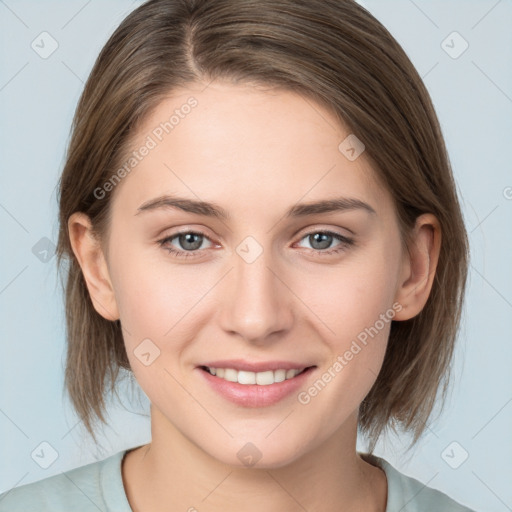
x=254, y=395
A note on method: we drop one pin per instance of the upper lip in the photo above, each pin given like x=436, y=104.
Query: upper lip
x=261, y=366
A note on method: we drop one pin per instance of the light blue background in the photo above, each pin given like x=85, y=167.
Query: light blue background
x=473, y=98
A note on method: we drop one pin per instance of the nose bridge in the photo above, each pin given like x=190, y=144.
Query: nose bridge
x=257, y=303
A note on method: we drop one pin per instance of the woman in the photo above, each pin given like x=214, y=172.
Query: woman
x=261, y=224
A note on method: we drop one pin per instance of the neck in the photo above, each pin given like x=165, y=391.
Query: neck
x=172, y=473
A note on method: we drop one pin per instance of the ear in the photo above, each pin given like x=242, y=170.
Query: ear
x=418, y=267
x=91, y=259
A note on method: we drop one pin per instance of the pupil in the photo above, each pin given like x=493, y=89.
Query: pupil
x=323, y=238
x=187, y=239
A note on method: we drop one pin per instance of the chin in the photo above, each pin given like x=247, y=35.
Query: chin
x=260, y=453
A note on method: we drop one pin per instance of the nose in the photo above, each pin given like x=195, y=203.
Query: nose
x=257, y=302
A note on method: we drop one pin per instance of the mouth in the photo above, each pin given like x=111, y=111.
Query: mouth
x=255, y=384
x=263, y=378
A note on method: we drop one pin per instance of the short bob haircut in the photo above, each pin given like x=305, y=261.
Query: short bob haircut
x=333, y=52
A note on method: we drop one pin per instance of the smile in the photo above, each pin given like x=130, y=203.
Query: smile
x=255, y=384
x=265, y=378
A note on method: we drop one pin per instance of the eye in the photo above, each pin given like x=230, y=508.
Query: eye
x=190, y=241
x=321, y=240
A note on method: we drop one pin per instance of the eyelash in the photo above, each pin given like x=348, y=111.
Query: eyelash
x=345, y=243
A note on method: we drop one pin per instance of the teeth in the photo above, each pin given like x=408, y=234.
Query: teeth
x=247, y=377
x=279, y=375
x=231, y=375
x=290, y=374
x=261, y=378
x=264, y=378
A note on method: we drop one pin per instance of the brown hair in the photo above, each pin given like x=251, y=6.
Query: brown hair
x=332, y=51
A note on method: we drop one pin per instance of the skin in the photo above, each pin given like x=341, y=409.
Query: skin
x=255, y=152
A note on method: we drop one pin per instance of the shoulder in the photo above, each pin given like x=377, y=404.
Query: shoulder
x=96, y=486
x=406, y=494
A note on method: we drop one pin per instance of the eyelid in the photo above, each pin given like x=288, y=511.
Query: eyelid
x=318, y=228
x=315, y=228
x=168, y=233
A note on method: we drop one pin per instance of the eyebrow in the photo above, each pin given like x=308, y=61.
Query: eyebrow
x=213, y=210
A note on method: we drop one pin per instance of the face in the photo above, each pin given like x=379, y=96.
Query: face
x=255, y=285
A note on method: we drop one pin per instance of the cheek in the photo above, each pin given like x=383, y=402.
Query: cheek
x=354, y=307
x=156, y=299
x=352, y=296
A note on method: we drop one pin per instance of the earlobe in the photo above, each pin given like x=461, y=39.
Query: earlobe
x=419, y=267
x=91, y=259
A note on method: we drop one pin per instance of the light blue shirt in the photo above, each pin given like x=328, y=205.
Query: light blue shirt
x=99, y=487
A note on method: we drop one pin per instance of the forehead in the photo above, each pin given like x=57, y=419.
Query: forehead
x=245, y=144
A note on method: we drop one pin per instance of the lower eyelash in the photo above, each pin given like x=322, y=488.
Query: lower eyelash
x=178, y=253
